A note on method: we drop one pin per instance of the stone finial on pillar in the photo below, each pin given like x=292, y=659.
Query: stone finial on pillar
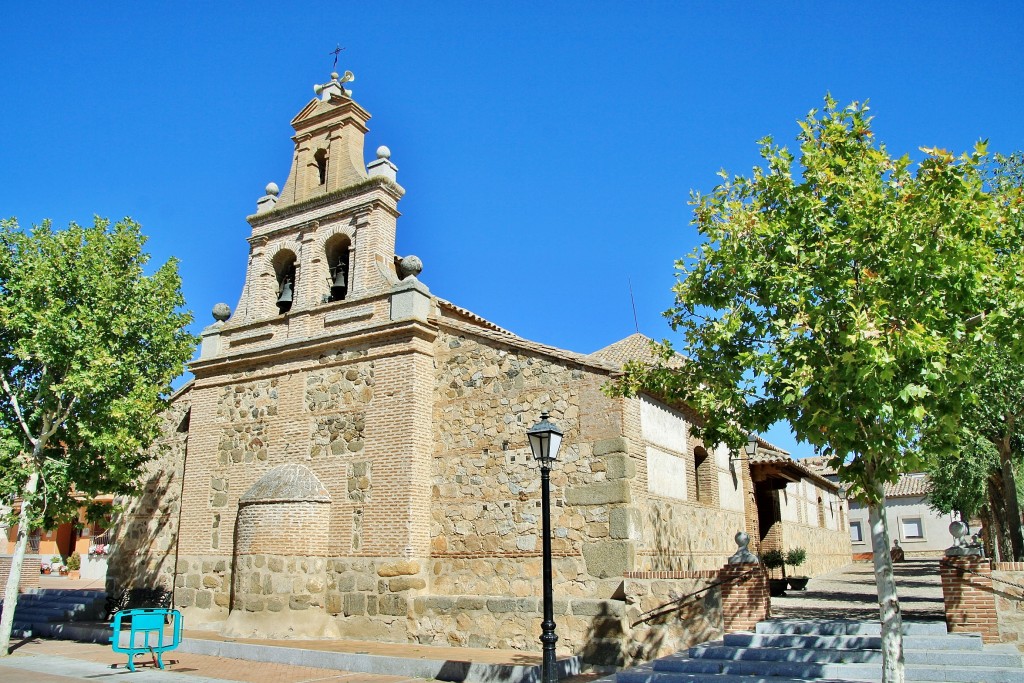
x=269, y=200
x=961, y=546
x=743, y=554
x=210, y=345
x=382, y=166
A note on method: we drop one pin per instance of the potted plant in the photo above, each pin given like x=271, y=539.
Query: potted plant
x=774, y=559
x=74, y=566
x=794, y=558
x=44, y=568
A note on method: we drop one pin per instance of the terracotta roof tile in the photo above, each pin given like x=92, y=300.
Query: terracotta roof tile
x=635, y=347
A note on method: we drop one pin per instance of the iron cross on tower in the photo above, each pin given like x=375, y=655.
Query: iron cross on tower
x=338, y=49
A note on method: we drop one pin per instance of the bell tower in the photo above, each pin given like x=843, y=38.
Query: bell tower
x=329, y=234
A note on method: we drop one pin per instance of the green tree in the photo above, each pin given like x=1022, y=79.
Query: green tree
x=833, y=290
x=979, y=476
x=89, y=346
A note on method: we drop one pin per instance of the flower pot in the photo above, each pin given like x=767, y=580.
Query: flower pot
x=74, y=574
x=799, y=583
x=776, y=587
x=44, y=570
x=63, y=572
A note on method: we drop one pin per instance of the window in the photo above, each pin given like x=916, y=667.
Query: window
x=703, y=475
x=321, y=164
x=856, y=532
x=911, y=528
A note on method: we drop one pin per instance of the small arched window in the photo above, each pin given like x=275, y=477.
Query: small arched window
x=284, y=270
x=703, y=474
x=321, y=164
x=337, y=253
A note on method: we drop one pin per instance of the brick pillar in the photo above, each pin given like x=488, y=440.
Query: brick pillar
x=744, y=596
x=969, y=600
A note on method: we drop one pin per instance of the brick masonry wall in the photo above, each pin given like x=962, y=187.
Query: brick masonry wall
x=968, y=596
x=29, y=572
x=745, y=598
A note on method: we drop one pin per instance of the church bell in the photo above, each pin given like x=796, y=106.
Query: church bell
x=340, y=283
x=284, y=301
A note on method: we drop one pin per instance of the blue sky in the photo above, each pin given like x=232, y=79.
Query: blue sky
x=547, y=149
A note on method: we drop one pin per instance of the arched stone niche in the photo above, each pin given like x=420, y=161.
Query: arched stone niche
x=286, y=512
x=280, y=572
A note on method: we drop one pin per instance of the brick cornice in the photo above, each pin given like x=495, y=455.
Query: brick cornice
x=310, y=346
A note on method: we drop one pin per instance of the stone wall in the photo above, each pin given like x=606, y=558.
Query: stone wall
x=288, y=596
x=668, y=611
x=827, y=549
x=143, y=535
x=486, y=484
x=1008, y=587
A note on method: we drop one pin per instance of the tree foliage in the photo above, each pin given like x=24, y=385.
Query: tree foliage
x=89, y=344
x=838, y=289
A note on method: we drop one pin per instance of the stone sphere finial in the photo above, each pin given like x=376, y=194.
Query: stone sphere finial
x=272, y=189
x=958, y=530
x=334, y=75
x=221, y=312
x=383, y=152
x=409, y=265
x=743, y=554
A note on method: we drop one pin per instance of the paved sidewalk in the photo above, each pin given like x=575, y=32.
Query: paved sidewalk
x=850, y=593
x=61, y=661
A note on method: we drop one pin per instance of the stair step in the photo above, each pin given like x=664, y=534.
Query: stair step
x=871, y=671
x=718, y=651
x=839, y=627
x=643, y=674
x=958, y=641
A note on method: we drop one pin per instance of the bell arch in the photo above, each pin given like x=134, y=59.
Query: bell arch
x=284, y=263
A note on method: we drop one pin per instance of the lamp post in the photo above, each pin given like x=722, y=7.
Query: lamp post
x=545, y=438
x=749, y=448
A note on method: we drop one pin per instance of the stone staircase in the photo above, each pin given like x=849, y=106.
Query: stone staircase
x=797, y=651
x=55, y=613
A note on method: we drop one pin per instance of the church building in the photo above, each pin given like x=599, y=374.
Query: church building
x=351, y=460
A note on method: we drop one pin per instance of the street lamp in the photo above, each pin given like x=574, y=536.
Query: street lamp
x=749, y=448
x=545, y=438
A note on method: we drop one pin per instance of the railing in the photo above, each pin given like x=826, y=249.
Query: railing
x=681, y=602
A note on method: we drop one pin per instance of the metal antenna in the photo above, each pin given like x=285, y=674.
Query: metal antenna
x=633, y=301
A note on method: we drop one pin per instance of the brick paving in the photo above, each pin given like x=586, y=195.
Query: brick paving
x=849, y=593
x=180, y=666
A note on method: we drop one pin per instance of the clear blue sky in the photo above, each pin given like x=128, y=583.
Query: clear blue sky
x=547, y=149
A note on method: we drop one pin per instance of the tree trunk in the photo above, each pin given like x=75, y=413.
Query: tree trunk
x=1012, y=507
x=888, y=604
x=14, y=580
x=999, y=548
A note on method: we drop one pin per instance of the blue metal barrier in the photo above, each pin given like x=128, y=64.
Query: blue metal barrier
x=146, y=632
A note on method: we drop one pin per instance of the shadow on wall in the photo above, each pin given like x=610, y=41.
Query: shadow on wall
x=661, y=616
x=142, y=539
x=673, y=551
x=144, y=535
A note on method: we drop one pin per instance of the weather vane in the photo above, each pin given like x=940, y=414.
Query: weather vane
x=338, y=49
